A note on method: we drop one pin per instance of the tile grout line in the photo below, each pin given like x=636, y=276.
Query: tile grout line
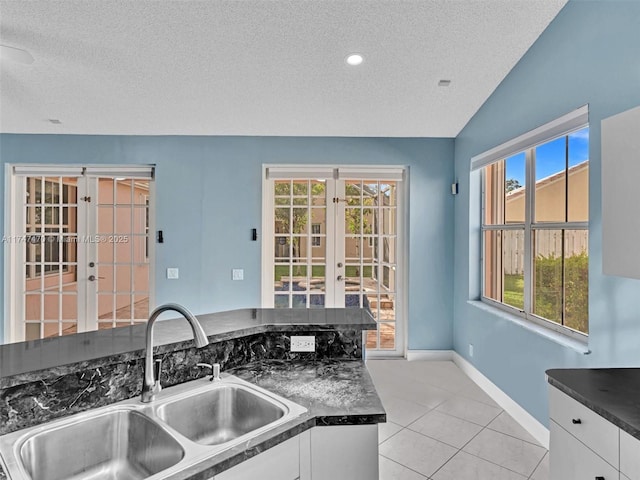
x=460, y=395
x=494, y=463
x=403, y=466
x=460, y=449
x=541, y=460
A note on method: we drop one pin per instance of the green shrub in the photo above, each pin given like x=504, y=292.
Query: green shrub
x=549, y=294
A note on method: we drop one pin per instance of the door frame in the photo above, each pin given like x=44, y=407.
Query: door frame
x=14, y=220
x=331, y=172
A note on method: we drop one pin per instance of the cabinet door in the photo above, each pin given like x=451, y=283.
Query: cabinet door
x=629, y=456
x=278, y=463
x=344, y=452
x=591, y=429
x=571, y=459
x=620, y=178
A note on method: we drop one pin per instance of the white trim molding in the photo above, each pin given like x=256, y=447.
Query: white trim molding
x=430, y=355
x=519, y=414
x=555, y=128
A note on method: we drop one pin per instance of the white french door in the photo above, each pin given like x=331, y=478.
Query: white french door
x=332, y=238
x=79, y=250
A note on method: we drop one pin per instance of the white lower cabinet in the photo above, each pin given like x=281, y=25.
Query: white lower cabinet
x=570, y=459
x=587, y=426
x=629, y=457
x=281, y=462
x=344, y=452
x=322, y=453
x=586, y=446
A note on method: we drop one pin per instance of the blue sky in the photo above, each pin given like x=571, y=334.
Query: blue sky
x=550, y=156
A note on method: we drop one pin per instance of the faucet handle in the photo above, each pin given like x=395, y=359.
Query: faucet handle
x=215, y=369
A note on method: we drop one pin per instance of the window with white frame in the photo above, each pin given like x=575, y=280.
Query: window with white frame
x=535, y=214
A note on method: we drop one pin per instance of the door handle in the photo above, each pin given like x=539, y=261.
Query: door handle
x=93, y=278
x=339, y=278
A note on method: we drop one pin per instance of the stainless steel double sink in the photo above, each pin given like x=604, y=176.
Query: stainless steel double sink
x=130, y=440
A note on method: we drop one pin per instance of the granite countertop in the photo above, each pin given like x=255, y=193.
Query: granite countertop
x=613, y=393
x=104, y=345
x=335, y=392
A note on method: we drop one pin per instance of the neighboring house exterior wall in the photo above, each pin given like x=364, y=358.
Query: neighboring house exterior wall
x=549, y=207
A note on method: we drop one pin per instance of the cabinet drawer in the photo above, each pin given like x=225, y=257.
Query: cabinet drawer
x=595, y=432
x=629, y=456
x=570, y=459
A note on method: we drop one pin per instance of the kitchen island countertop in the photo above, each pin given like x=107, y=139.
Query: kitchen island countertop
x=613, y=393
x=335, y=392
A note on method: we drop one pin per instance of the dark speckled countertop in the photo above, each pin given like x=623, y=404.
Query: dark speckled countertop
x=335, y=392
x=37, y=355
x=613, y=393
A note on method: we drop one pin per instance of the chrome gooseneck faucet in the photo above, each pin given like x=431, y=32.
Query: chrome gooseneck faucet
x=151, y=384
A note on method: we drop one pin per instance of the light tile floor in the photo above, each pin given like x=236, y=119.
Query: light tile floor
x=442, y=426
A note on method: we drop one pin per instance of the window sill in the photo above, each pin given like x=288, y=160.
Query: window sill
x=578, y=346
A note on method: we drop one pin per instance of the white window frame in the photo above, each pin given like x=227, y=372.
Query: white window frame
x=571, y=122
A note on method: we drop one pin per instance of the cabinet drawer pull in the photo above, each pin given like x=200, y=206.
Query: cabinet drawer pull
x=599, y=478
x=577, y=421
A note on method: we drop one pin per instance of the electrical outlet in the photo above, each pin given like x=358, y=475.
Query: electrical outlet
x=301, y=343
x=471, y=349
x=173, y=273
x=237, y=274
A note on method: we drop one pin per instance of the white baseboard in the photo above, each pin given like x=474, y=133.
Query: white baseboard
x=520, y=415
x=430, y=355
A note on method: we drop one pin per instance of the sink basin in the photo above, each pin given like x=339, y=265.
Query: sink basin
x=118, y=445
x=187, y=424
x=220, y=415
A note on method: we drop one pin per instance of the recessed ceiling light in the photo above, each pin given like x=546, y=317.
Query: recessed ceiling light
x=15, y=54
x=55, y=121
x=354, y=59
x=444, y=83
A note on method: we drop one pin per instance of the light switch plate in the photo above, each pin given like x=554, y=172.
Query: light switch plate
x=237, y=274
x=300, y=343
x=173, y=273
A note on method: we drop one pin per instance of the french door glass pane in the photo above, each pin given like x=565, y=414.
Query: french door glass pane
x=114, y=243
x=300, y=223
x=357, y=245
x=370, y=229
x=50, y=256
x=122, y=267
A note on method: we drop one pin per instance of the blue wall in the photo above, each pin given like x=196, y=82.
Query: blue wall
x=209, y=197
x=590, y=54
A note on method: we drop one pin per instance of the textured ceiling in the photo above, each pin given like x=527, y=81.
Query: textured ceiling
x=259, y=67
